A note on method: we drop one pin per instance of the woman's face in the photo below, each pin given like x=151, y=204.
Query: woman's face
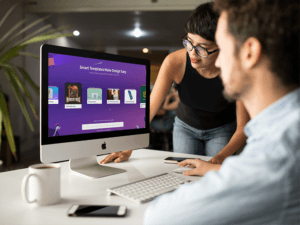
x=196, y=60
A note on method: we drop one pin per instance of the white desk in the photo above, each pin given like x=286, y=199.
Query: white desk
x=80, y=190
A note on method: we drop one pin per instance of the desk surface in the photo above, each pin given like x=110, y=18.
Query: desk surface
x=76, y=189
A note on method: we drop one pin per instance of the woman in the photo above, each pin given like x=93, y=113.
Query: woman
x=206, y=123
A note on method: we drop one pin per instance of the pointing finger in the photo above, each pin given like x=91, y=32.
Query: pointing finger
x=102, y=160
x=108, y=159
x=191, y=162
x=183, y=163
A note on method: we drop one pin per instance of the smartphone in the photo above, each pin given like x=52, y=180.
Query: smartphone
x=97, y=210
x=175, y=159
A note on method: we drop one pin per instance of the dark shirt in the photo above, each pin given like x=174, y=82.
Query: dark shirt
x=202, y=104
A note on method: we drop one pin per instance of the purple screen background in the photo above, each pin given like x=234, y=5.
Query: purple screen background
x=67, y=69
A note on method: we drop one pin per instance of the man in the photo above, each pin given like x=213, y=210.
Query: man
x=259, y=62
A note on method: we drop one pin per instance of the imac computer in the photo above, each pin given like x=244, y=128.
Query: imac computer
x=92, y=104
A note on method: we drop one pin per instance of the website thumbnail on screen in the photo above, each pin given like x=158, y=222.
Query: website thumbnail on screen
x=87, y=95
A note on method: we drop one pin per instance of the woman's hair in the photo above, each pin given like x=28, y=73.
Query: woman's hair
x=203, y=22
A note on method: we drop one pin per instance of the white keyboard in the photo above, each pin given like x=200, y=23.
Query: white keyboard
x=145, y=190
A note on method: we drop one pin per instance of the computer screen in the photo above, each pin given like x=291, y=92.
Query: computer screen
x=92, y=96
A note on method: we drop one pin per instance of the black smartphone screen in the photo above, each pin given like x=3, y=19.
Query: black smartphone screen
x=87, y=210
x=177, y=159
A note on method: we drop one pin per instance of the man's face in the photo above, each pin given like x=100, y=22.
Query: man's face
x=234, y=79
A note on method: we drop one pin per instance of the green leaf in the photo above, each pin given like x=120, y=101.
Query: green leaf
x=19, y=98
x=28, y=27
x=11, y=53
x=5, y=65
x=29, y=80
x=33, y=34
x=11, y=31
x=45, y=38
x=7, y=124
x=8, y=12
x=24, y=89
x=29, y=55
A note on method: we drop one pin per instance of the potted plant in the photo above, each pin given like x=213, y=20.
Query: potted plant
x=10, y=49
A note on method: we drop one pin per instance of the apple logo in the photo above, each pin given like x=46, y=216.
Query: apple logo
x=103, y=145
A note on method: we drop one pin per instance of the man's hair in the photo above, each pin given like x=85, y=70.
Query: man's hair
x=203, y=21
x=275, y=23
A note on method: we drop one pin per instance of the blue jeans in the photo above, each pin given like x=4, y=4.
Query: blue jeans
x=187, y=139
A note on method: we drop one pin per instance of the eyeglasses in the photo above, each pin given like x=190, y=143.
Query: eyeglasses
x=200, y=50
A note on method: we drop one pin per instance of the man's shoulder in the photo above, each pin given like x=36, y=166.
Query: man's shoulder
x=289, y=132
x=289, y=125
x=277, y=142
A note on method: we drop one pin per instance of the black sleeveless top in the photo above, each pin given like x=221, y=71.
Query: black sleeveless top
x=202, y=104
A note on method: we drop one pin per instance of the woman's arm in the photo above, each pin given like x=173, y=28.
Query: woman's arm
x=238, y=139
x=172, y=69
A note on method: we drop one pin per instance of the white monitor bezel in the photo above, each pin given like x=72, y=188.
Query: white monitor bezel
x=54, y=149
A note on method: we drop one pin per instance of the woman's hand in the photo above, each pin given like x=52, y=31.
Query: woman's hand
x=117, y=157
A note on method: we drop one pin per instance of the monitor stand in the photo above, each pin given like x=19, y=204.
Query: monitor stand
x=90, y=167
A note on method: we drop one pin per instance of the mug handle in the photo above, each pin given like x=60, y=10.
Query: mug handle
x=24, y=187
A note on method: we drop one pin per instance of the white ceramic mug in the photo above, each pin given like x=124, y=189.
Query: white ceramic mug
x=43, y=182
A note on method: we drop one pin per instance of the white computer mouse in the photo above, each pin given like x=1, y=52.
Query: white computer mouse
x=182, y=169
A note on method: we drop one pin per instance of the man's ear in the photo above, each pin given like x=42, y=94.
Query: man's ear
x=250, y=53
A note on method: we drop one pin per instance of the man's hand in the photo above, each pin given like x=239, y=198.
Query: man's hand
x=218, y=159
x=201, y=167
x=117, y=157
